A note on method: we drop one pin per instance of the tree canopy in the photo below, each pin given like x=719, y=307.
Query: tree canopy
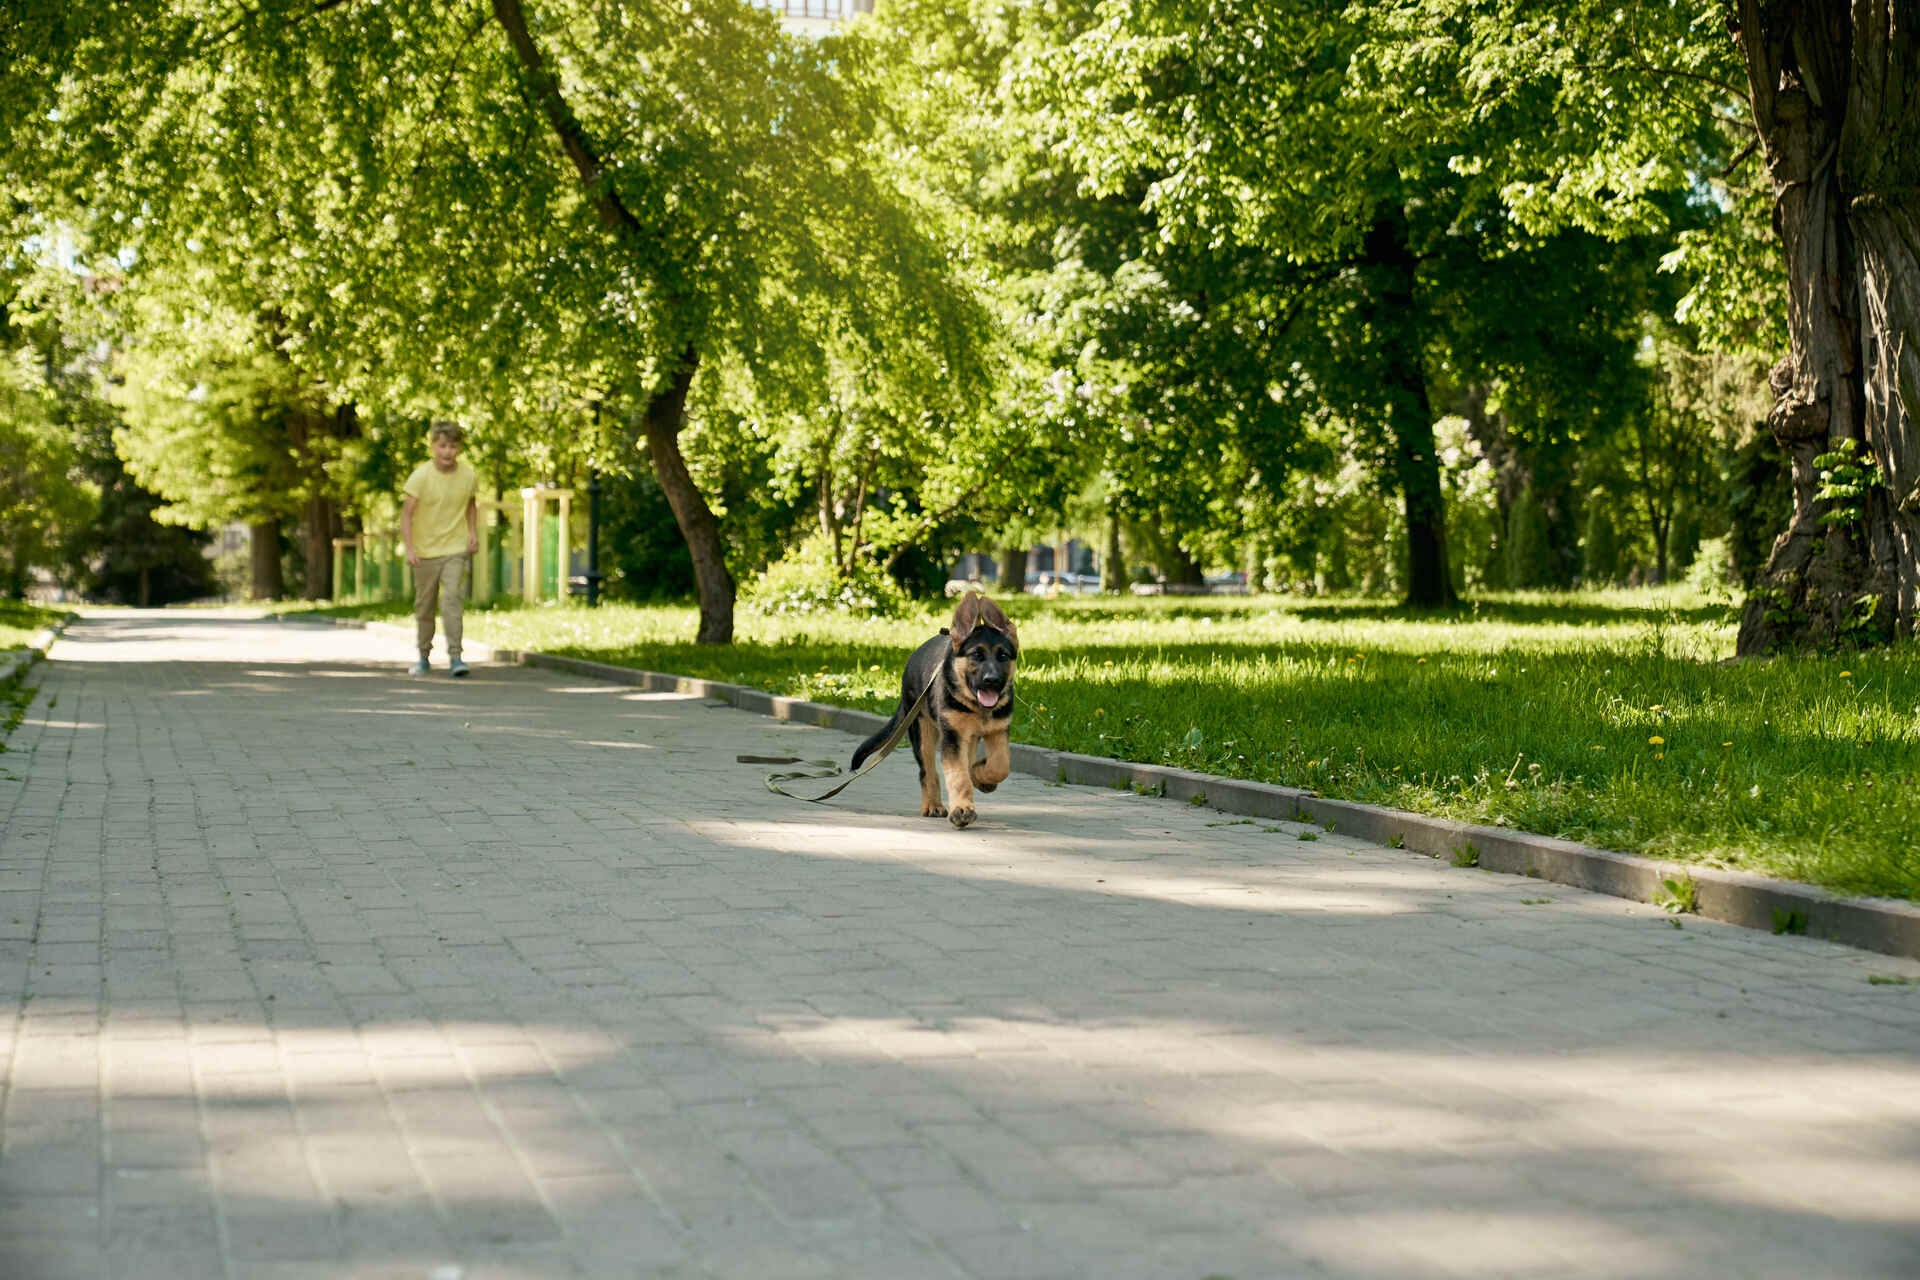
x=1210, y=274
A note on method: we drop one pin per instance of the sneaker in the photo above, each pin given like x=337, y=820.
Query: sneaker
x=456, y=668
x=419, y=668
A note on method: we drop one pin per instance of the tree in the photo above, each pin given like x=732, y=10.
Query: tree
x=1528, y=558
x=1373, y=147
x=48, y=390
x=1139, y=382
x=1835, y=96
x=490, y=210
x=1600, y=549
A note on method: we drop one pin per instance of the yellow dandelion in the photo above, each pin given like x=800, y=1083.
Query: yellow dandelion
x=1845, y=675
x=1596, y=748
x=1099, y=711
x=874, y=667
x=1656, y=707
x=1659, y=755
x=1657, y=741
x=1421, y=660
x=1041, y=707
x=1313, y=764
x=1726, y=744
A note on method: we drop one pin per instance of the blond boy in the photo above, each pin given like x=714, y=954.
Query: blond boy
x=440, y=526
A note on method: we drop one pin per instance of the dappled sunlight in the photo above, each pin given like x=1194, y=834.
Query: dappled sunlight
x=613, y=692
x=1105, y=867
x=1701, y=1128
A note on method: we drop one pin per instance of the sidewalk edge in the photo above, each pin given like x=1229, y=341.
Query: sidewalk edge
x=15, y=663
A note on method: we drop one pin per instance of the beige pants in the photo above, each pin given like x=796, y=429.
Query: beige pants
x=446, y=578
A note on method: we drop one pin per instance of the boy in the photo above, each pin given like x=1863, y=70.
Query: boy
x=440, y=492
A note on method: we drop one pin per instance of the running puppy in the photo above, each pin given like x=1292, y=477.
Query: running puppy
x=967, y=672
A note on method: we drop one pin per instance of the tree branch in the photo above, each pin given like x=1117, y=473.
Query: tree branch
x=613, y=212
x=248, y=15
x=1639, y=54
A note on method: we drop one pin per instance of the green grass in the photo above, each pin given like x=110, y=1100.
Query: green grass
x=1610, y=718
x=19, y=622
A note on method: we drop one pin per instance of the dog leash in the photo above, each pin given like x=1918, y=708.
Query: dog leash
x=832, y=767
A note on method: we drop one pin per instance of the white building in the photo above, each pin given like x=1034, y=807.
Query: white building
x=815, y=17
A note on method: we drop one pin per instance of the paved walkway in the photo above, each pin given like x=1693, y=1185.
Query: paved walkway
x=313, y=969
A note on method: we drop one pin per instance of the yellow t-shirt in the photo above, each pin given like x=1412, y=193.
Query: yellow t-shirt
x=440, y=513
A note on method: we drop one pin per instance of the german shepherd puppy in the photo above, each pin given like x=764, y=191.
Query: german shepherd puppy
x=967, y=671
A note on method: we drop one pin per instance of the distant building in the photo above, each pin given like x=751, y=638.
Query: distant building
x=815, y=17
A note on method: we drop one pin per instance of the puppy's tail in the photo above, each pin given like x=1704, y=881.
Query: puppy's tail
x=871, y=745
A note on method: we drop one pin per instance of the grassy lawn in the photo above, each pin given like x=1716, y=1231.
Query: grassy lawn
x=19, y=623
x=1609, y=718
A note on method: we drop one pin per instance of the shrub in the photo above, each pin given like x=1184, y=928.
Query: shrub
x=806, y=580
x=1529, y=559
x=1683, y=538
x=1713, y=569
x=1600, y=549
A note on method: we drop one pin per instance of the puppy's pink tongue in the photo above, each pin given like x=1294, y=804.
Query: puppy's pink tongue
x=987, y=697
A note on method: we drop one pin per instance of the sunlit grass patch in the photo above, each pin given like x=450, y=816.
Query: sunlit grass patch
x=21, y=622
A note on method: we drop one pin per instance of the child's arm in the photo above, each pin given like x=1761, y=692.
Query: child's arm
x=406, y=528
x=473, y=526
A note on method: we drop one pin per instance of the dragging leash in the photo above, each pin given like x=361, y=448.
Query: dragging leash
x=832, y=769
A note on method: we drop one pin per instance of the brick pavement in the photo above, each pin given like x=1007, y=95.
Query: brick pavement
x=317, y=970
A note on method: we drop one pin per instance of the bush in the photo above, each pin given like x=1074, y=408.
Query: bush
x=1529, y=559
x=1713, y=569
x=1683, y=538
x=1600, y=549
x=805, y=581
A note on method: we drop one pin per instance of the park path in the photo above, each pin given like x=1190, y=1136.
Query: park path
x=315, y=970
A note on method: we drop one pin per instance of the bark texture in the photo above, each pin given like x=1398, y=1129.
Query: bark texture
x=263, y=560
x=1416, y=459
x=666, y=415
x=1835, y=91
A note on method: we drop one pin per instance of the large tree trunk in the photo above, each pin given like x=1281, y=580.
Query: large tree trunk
x=1416, y=458
x=1013, y=570
x=1113, y=562
x=263, y=557
x=1836, y=99
x=666, y=415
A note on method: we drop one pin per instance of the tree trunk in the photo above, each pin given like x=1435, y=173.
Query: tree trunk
x=829, y=513
x=1416, y=458
x=319, y=521
x=1013, y=570
x=1182, y=569
x=1113, y=563
x=1835, y=92
x=665, y=416
x=263, y=554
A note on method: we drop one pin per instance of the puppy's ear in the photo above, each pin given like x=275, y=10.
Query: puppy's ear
x=966, y=616
x=993, y=616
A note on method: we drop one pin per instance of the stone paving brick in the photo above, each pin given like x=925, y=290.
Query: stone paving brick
x=317, y=970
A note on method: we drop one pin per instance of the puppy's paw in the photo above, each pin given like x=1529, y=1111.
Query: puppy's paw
x=932, y=809
x=963, y=816
x=978, y=785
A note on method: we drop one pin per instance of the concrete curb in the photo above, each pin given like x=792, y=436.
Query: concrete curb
x=15, y=663
x=1734, y=897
